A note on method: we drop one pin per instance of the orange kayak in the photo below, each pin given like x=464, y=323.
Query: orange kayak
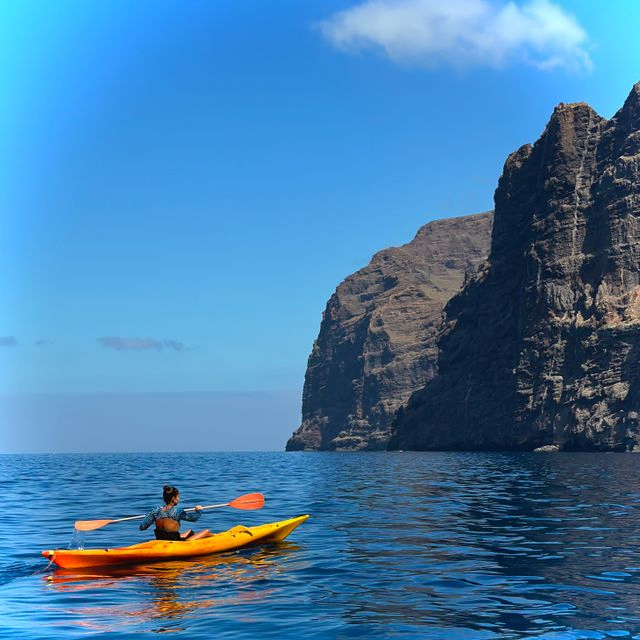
x=158, y=550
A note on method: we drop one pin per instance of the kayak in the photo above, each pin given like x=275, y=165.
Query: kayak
x=158, y=550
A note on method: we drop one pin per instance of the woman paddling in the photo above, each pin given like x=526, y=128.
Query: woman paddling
x=167, y=518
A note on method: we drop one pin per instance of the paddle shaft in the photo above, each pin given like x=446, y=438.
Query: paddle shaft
x=249, y=501
x=211, y=506
x=226, y=504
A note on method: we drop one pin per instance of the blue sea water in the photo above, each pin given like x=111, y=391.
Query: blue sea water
x=399, y=545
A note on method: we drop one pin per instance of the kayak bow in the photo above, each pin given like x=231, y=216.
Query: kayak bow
x=158, y=550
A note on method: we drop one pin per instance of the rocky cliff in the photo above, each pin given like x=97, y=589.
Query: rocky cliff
x=542, y=347
x=377, y=340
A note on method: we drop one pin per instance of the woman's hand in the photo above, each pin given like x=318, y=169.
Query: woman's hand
x=198, y=507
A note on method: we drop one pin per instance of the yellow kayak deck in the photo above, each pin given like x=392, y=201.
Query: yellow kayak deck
x=156, y=550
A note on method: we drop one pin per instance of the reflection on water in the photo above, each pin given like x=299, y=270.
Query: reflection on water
x=170, y=592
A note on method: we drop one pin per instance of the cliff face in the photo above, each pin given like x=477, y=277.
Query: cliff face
x=542, y=347
x=377, y=340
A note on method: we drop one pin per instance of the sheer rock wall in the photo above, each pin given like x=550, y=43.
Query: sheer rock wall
x=377, y=340
x=542, y=346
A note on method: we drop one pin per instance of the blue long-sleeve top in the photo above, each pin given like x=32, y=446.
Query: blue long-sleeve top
x=175, y=513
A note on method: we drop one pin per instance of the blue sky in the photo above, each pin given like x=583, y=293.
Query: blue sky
x=183, y=185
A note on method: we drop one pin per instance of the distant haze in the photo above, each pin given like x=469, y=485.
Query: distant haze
x=119, y=422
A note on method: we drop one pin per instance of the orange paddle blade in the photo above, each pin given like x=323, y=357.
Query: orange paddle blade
x=90, y=525
x=248, y=502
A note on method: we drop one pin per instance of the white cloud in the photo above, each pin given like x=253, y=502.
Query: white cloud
x=139, y=344
x=463, y=33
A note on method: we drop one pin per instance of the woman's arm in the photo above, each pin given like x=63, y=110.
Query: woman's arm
x=191, y=516
x=151, y=517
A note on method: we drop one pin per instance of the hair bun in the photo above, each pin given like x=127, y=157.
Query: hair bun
x=167, y=488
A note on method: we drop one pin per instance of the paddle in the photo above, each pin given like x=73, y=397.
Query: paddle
x=247, y=502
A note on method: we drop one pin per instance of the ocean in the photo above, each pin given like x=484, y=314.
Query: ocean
x=399, y=545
